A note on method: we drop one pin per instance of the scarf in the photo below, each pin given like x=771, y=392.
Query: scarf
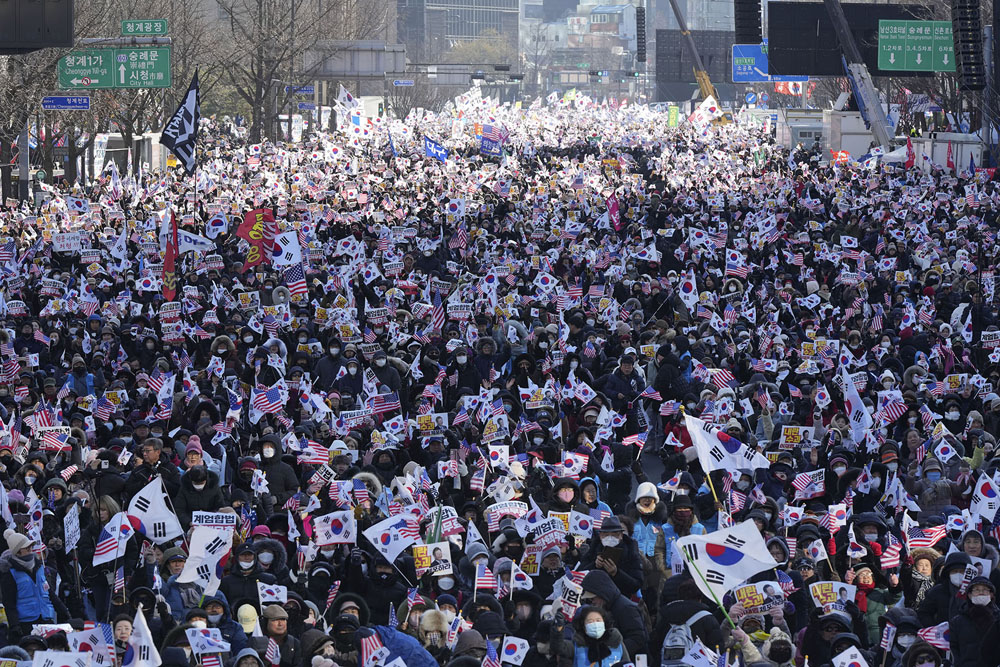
x=923, y=584
x=862, y=596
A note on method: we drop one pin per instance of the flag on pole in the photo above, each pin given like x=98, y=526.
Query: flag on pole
x=141, y=651
x=181, y=133
x=726, y=558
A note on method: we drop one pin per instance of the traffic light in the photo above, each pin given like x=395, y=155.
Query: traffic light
x=746, y=15
x=967, y=29
x=594, y=72
x=640, y=34
x=381, y=109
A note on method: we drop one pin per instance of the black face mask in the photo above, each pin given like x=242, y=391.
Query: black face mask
x=780, y=654
x=385, y=578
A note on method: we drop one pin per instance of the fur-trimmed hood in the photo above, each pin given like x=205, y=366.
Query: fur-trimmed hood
x=280, y=555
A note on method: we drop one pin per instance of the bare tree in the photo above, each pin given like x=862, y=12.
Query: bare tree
x=264, y=40
x=421, y=95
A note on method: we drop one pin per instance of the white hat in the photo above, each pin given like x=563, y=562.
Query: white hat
x=16, y=541
x=646, y=490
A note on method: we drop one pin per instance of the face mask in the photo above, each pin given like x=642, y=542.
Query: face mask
x=980, y=600
x=248, y=339
x=507, y=408
x=198, y=487
x=524, y=613
x=214, y=618
x=29, y=479
x=268, y=452
x=245, y=565
x=334, y=351
x=742, y=485
x=906, y=640
x=461, y=358
x=956, y=578
x=265, y=557
x=446, y=583
x=199, y=624
x=380, y=362
x=911, y=420
x=926, y=663
x=595, y=630
x=353, y=370
x=538, y=441
x=449, y=615
x=780, y=655
x=769, y=516
x=543, y=647
x=839, y=470
x=610, y=541
x=871, y=537
x=892, y=465
x=573, y=364
x=933, y=475
x=566, y=495
x=953, y=415
x=591, y=322
x=886, y=345
x=543, y=344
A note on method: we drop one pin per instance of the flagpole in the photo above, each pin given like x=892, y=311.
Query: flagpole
x=702, y=577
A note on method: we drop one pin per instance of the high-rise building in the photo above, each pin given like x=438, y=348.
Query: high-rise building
x=431, y=27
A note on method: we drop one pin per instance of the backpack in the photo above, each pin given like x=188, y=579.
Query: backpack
x=679, y=641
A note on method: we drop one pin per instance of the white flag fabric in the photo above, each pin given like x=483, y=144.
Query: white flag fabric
x=393, y=535
x=717, y=450
x=113, y=539
x=984, y=499
x=287, y=250
x=857, y=411
x=120, y=249
x=519, y=579
x=209, y=546
x=271, y=593
x=335, y=528
x=206, y=640
x=514, y=649
x=346, y=100
x=188, y=242
x=850, y=658
x=95, y=642
x=59, y=659
x=726, y=558
x=158, y=523
x=141, y=651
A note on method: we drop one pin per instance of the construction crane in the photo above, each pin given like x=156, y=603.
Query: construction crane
x=861, y=81
x=700, y=73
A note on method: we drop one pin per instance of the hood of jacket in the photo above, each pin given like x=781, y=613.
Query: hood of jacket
x=600, y=584
x=280, y=555
x=248, y=653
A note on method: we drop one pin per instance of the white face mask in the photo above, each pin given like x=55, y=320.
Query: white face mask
x=839, y=470
x=892, y=465
x=446, y=583
x=906, y=640
x=461, y=358
x=573, y=364
x=953, y=415
x=199, y=487
x=268, y=452
x=199, y=624
x=956, y=578
x=980, y=600
x=245, y=565
x=248, y=339
x=380, y=362
x=353, y=370
x=265, y=557
x=610, y=541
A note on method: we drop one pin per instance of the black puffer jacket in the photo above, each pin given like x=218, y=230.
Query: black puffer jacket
x=624, y=611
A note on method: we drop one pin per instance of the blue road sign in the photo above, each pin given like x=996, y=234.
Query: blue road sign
x=750, y=98
x=750, y=65
x=66, y=103
x=402, y=82
x=307, y=106
x=764, y=97
x=301, y=90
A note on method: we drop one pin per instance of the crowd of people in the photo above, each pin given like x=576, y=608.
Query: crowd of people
x=399, y=397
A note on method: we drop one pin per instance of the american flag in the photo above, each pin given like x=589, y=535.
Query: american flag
x=491, y=132
x=165, y=408
x=54, y=441
x=120, y=580
x=266, y=401
x=103, y=408
x=437, y=313
x=371, y=648
x=272, y=655
x=670, y=408
x=491, y=659
x=589, y=350
x=361, y=492
x=383, y=403
x=393, y=619
x=917, y=537
x=332, y=595
x=794, y=391
x=926, y=416
x=369, y=335
x=651, y=393
x=211, y=660
x=7, y=252
x=485, y=581
x=785, y=581
x=722, y=378
x=42, y=338
x=938, y=636
x=888, y=636
x=66, y=473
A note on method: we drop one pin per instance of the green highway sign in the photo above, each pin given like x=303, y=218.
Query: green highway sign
x=142, y=67
x=144, y=27
x=916, y=46
x=86, y=69
x=136, y=67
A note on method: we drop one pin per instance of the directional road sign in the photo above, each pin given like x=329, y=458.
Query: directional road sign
x=87, y=69
x=300, y=90
x=66, y=103
x=402, y=82
x=307, y=106
x=136, y=67
x=143, y=27
x=750, y=65
x=915, y=46
x=750, y=98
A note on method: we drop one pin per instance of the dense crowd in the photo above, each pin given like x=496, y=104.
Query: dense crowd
x=551, y=385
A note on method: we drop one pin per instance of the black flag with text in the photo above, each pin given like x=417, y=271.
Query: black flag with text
x=181, y=132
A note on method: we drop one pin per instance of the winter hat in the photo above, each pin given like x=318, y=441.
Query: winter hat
x=646, y=490
x=194, y=445
x=16, y=541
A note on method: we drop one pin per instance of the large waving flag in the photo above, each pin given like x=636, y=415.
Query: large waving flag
x=726, y=558
x=717, y=450
x=141, y=651
x=156, y=521
x=857, y=412
x=393, y=535
x=113, y=538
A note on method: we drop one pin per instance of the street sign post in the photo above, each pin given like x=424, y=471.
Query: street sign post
x=66, y=103
x=144, y=27
x=307, y=106
x=134, y=67
x=300, y=90
x=915, y=46
x=750, y=98
x=750, y=65
x=402, y=82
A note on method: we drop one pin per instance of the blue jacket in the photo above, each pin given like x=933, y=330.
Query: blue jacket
x=601, y=505
x=231, y=631
x=402, y=645
x=670, y=536
x=25, y=593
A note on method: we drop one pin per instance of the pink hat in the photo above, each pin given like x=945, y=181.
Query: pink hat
x=262, y=531
x=193, y=445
